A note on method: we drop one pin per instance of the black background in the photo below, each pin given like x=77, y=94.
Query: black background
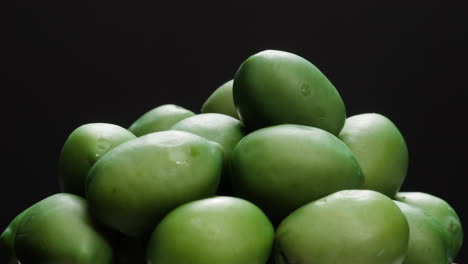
x=70, y=64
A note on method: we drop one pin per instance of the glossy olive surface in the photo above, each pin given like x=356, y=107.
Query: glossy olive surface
x=282, y=167
x=275, y=87
x=380, y=149
x=427, y=244
x=350, y=226
x=220, y=128
x=158, y=119
x=7, y=238
x=221, y=101
x=222, y=230
x=440, y=210
x=60, y=229
x=134, y=185
x=83, y=147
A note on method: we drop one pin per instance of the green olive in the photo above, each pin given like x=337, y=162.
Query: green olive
x=60, y=229
x=83, y=147
x=222, y=129
x=440, y=210
x=135, y=184
x=380, y=149
x=275, y=87
x=221, y=101
x=7, y=238
x=282, y=167
x=159, y=119
x=349, y=226
x=427, y=242
x=222, y=230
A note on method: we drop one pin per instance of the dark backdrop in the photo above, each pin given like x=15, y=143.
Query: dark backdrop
x=67, y=65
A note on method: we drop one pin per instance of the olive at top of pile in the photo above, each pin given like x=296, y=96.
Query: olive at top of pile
x=276, y=87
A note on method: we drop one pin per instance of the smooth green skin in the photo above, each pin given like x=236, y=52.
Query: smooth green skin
x=60, y=229
x=83, y=147
x=350, y=226
x=380, y=149
x=220, y=128
x=221, y=101
x=161, y=118
x=134, y=185
x=221, y=230
x=276, y=87
x=427, y=244
x=283, y=167
x=440, y=210
x=7, y=238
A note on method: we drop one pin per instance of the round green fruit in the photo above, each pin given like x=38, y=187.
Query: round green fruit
x=275, y=87
x=134, y=185
x=60, y=229
x=441, y=211
x=222, y=129
x=221, y=101
x=83, y=147
x=7, y=238
x=158, y=119
x=222, y=230
x=283, y=167
x=380, y=149
x=427, y=243
x=350, y=226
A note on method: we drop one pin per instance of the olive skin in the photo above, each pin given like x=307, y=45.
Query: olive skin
x=7, y=238
x=83, y=147
x=60, y=229
x=275, y=87
x=222, y=230
x=135, y=184
x=221, y=101
x=220, y=128
x=283, y=167
x=158, y=119
x=427, y=244
x=441, y=211
x=380, y=149
x=349, y=226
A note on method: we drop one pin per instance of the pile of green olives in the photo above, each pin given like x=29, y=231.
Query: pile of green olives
x=271, y=171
